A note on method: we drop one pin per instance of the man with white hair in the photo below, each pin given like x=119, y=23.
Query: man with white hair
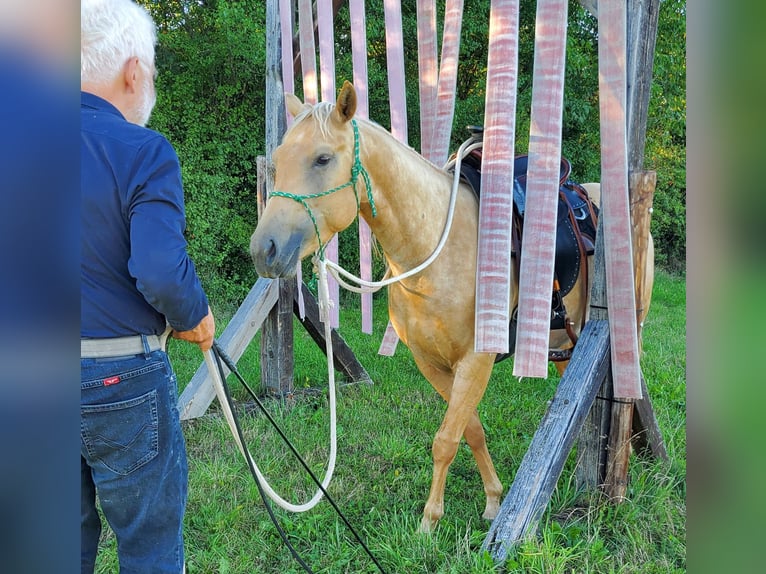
x=138, y=285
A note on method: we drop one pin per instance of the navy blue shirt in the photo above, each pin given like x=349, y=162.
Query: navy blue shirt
x=136, y=274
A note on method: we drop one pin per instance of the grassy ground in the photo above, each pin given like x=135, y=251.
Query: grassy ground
x=383, y=473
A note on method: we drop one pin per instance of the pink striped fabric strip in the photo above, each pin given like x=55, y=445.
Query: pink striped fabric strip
x=288, y=73
x=615, y=199
x=539, y=240
x=359, y=59
x=494, y=265
x=327, y=77
x=445, y=100
x=395, y=64
x=428, y=75
x=308, y=51
x=288, y=84
x=398, y=104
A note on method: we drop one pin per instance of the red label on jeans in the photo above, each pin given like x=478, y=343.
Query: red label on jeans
x=111, y=381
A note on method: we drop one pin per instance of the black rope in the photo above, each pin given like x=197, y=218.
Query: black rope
x=220, y=354
x=269, y=509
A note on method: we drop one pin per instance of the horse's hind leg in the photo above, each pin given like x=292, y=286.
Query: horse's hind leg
x=462, y=395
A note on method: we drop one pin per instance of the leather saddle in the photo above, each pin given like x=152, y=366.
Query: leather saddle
x=576, y=222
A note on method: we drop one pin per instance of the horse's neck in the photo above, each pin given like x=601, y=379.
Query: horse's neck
x=411, y=197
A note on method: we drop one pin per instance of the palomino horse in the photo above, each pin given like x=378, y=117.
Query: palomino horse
x=404, y=199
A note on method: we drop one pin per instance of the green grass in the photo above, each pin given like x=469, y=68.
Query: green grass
x=383, y=472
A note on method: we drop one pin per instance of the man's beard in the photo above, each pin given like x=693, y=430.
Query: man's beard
x=144, y=110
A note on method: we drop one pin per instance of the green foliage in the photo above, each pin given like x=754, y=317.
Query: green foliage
x=211, y=62
x=210, y=105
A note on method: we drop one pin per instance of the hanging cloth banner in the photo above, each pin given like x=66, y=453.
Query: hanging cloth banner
x=288, y=84
x=327, y=83
x=539, y=238
x=493, y=273
x=398, y=104
x=428, y=75
x=445, y=98
x=615, y=208
x=359, y=59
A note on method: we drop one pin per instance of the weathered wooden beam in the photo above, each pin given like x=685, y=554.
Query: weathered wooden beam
x=199, y=393
x=645, y=431
x=647, y=438
x=542, y=465
x=591, y=6
x=592, y=442
x=344, y=359
x=641, y=41
x=277, y=365
x=618, y=452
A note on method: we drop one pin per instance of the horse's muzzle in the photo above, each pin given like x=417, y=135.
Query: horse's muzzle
x=275, y=258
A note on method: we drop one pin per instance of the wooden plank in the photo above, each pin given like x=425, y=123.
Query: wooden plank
x=647, y=437
x=618, y=452
x=199, y=393
x=277, y=336
x=344, y=359
x=277, y=358
x=542, y=464
x=614, y=199
x=493, y=276
x=642, y=38
x=539, y=239
x=592, y=442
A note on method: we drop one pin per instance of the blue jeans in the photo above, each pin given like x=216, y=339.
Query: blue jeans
x=134, y=459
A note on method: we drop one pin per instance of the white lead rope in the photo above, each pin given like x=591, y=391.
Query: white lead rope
x=371, y=286
x=219, y=391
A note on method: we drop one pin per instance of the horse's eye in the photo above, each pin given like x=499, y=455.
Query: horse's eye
x=322, y=160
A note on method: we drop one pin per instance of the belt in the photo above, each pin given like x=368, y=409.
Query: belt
x=122, y=346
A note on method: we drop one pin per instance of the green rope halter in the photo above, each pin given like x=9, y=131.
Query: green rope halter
x=356, y=169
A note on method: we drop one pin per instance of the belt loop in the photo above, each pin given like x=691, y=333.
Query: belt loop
x=147, y=349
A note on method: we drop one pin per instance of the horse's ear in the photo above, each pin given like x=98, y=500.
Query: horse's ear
x=294, y=105
x=345, y=107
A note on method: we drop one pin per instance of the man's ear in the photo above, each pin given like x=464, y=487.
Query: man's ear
x=130, y=75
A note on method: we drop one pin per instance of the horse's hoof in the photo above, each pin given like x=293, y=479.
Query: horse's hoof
x=427, y=526
x=490, y=511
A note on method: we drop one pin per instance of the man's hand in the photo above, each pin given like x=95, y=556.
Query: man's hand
x=203, y=334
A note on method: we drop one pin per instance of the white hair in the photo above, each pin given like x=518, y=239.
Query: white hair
x=112, y=32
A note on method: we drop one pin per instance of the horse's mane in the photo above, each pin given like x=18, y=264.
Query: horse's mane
x=321, y=113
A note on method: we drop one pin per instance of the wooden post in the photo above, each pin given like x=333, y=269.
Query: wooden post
x=277, y=365
x=642, y=18
x=542, y=464
x=645, y=432
x=590, y=471
x=343, y=356
x=199, y=393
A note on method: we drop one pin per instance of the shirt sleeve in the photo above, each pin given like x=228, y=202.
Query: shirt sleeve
x=164, y=273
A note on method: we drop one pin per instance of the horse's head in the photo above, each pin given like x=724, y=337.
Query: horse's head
x=314, y=192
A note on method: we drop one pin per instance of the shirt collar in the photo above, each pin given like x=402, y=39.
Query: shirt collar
x=88, y=100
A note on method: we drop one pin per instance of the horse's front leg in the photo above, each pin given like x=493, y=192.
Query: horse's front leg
x=463, y=394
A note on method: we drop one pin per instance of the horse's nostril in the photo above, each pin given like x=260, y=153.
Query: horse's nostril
x=271, y=252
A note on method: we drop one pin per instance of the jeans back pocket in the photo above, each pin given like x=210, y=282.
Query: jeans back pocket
x=123, y=435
